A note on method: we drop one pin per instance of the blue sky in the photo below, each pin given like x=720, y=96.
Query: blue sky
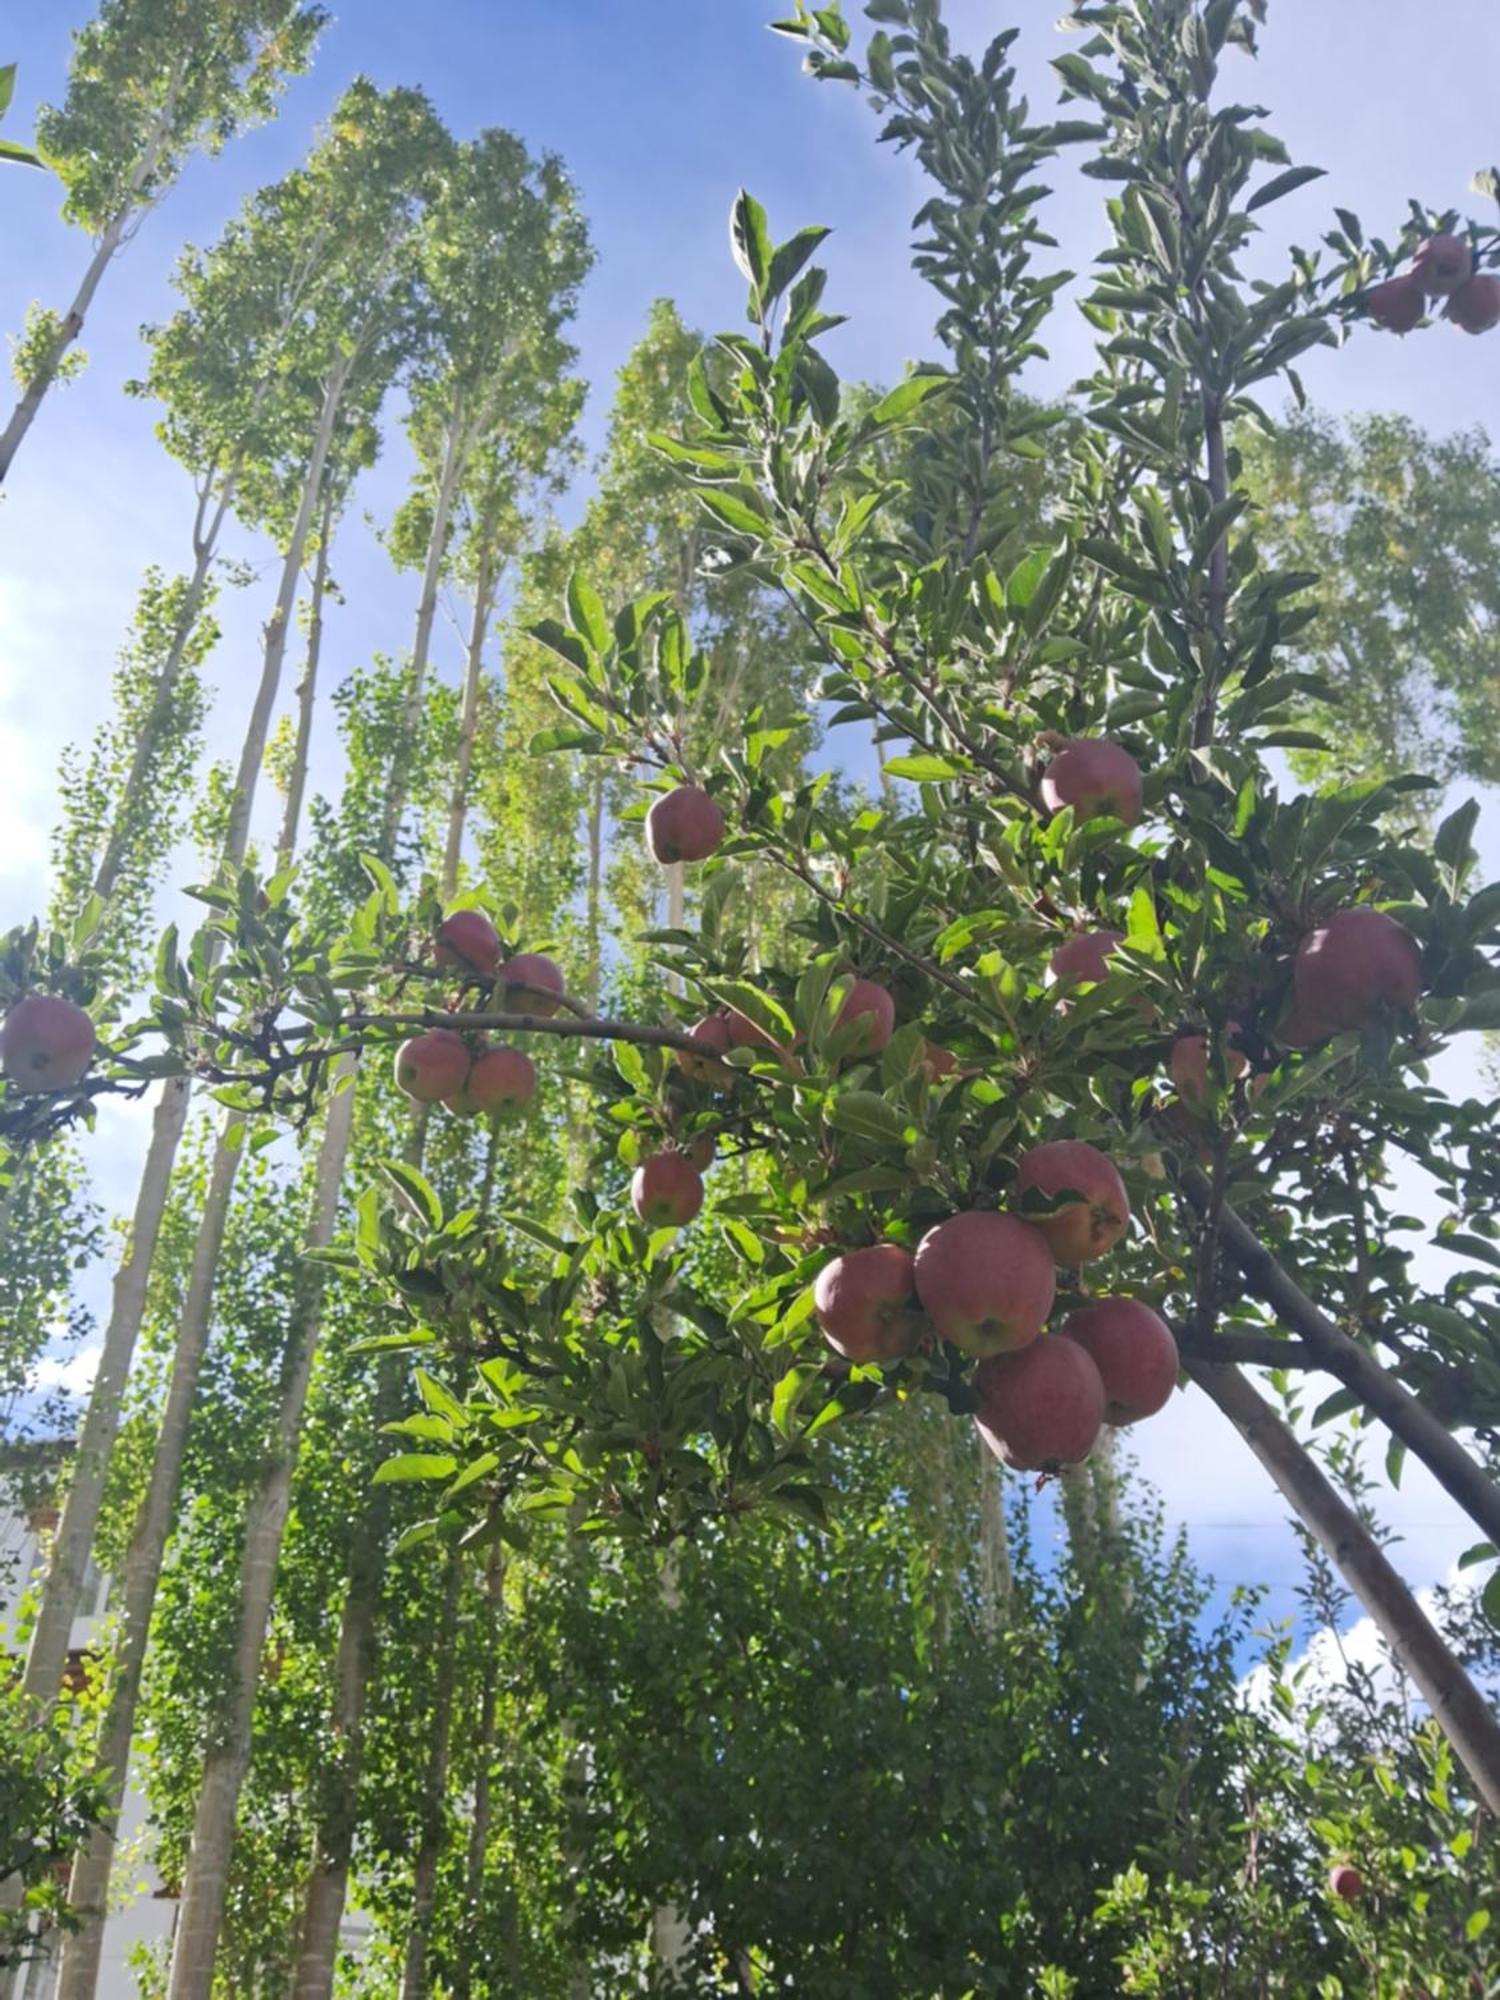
x=661, y=112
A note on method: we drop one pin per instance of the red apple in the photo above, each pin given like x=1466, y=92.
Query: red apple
x=1346, y=1882
x=702, y=1151
x=937, y=1063
x=1298, y=1029
x=1475, y=306
x=986, y=1281
x=1084, y=959
x=46, y=1043
x=530, y=981
x=1093, y=776
x=745, y=1034
x=1398, y=304
x=867, y=1001
x=667, y=1190
x=433, y=1066
x=500, y=1081
x=1187, y=1065
x=865, y=1306
x=714, y=1033
x=1135, y=1354
x=1441, y=264
x=1085, y=1228
x=468, y=940
x=1041, y=1408
x=1358, y=962
x=686, y=825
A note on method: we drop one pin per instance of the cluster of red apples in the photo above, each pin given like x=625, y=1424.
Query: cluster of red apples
x=986, y=1281
x=1443, y=268
x=468, y=1076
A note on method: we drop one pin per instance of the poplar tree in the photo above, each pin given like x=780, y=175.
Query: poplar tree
x=152, y=83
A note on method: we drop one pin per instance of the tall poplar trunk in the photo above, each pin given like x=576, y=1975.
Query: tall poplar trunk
x=74, y=1540
x=484, y=605
x=335, y=1841
x=484, y=1757
x=89, y=1887
x=454, y=458
x=307, y=696
x=206, y=1880
x=415, y=1979
x=110, y=238
x=995, y=1580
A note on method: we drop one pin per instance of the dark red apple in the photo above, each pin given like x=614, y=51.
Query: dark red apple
x=714, y=1033
x=1041, y=1408
x=1442, y=264
x=1358, y=962
x=868, y=1002
x=1093, y=776
x=1084, y=959
x=1398, y=304
x=1475, y=306
x=1298, y=1029
x=667, y=1190
x=468, y=940
x=686, y=825
x=500, y=1081
x=46, y=1043
x=937, y=1063
x=531, y=981
x=1187, y=1065
x=1133, y=1349
x=865, y=1304
x=986, y=1281
x=433, y=1066
x=1085, y=1228
x=1346, y=1882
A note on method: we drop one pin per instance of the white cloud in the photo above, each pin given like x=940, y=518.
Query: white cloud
x=1330, y=1658
x=75, y=1374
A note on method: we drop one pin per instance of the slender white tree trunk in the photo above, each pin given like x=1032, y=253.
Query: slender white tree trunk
x=416, y=1981
x=206, y=1881
x=455, y=458
x=307, y=696
x=328, y=1878
x=112, y=236
x=89, y=1886
x=484, y=604
x=995, y=1581
x=484, y=1757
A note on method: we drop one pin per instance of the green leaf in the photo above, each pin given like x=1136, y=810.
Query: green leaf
x=418, y=1191
x=906, y=397
x=409, y=1465
x=7, y=87
x=924, y=769
x=740, y=510
x=563, y=736
x=867, y=1115
x=586, y=609
x=1281, y=184
x=785, y=1397
x=790, y=257
x=9, y=150
x=750, y=239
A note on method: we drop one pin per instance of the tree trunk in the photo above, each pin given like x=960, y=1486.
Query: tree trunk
x=593, y=920
x=414, y=1972
x=113, y=235
x=484, y=1755
x=206, y=1881
x=454, y=460
x=307, y=695
x=995, y=1581
x=333, y=1846
x=1414, y=1642
x=88, y=1890
x=479, y=625
x=1464, y=1480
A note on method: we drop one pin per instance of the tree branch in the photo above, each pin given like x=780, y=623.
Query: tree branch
x=1404, y=1416
x=1414, y=1641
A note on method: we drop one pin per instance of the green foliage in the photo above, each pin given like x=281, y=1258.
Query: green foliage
x=49, y=1800
x=34, y=352
x=153, y=81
